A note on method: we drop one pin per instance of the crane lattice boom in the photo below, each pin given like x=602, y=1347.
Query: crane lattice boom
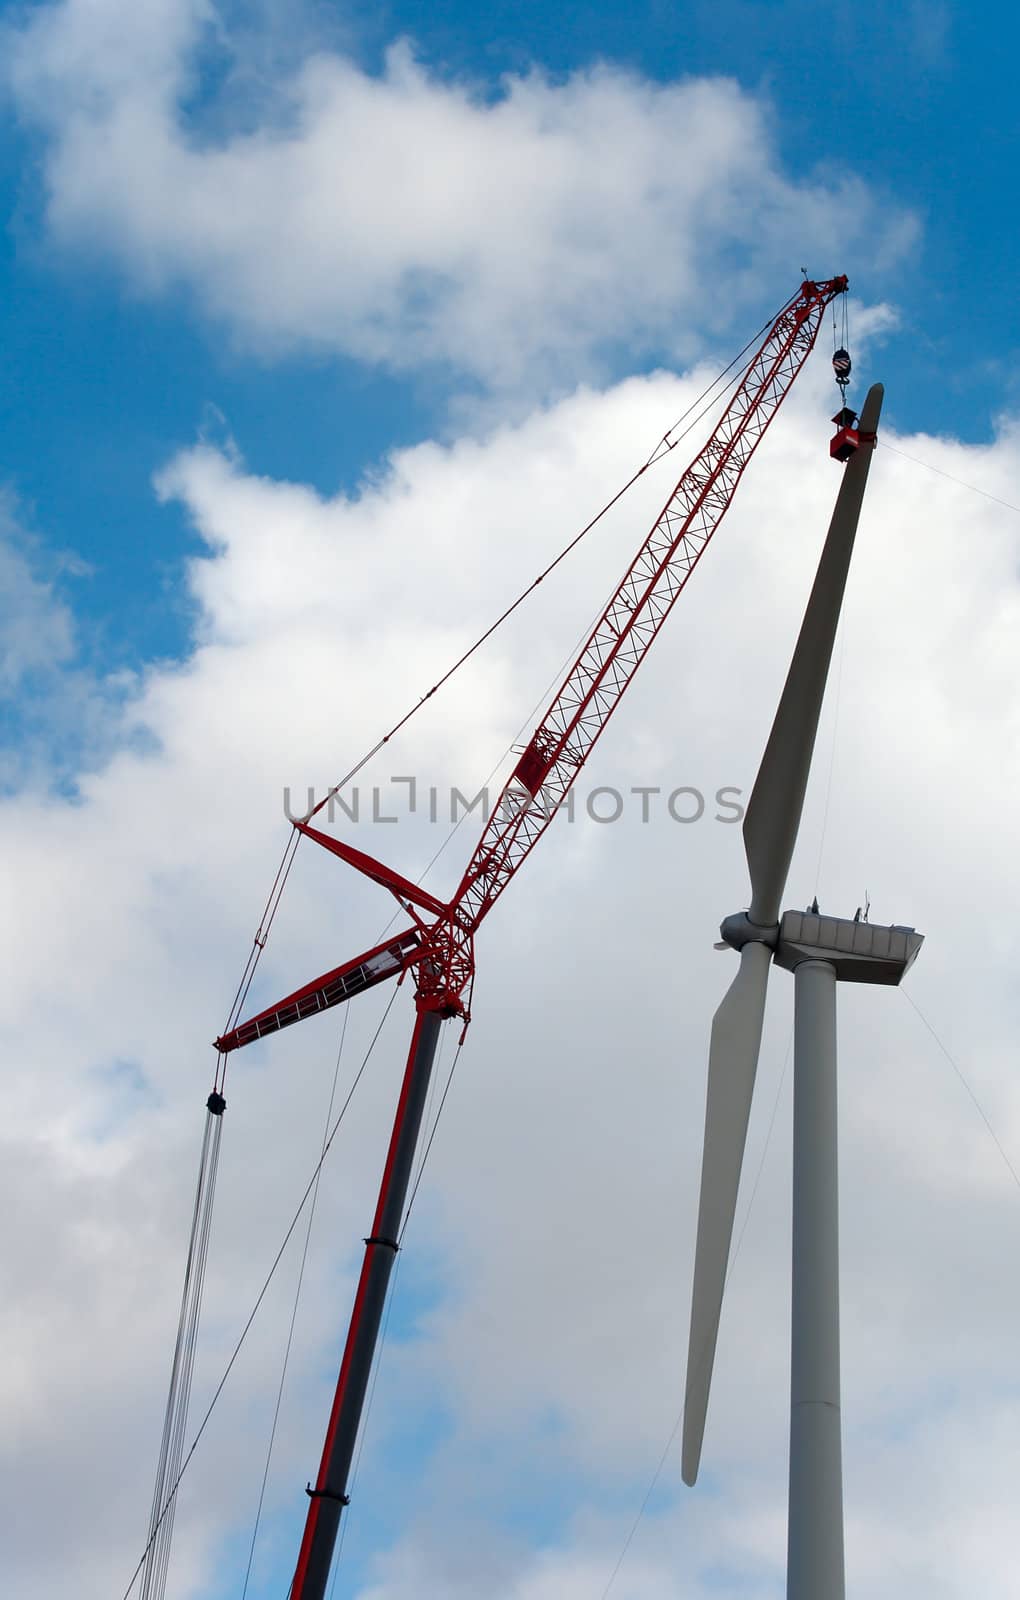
x=441, y=949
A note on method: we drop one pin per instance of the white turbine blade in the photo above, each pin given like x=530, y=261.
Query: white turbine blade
x=732, y=1064
x=777, y=799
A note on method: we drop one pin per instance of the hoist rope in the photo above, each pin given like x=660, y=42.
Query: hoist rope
x=156, y=1557
x=294, y=1311
x=843, y=337
x=414, y=1190
x=175, y=1369
x=258, y=945
x=170, y=1470
x=556, y=678
x=482, y=639
x=662, y=449
x=665, y=445
x=171, y=1495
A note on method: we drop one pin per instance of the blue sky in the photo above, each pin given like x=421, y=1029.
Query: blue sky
x=321, y=327
x=101, y=384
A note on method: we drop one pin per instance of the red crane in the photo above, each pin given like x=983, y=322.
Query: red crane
x=438, y=943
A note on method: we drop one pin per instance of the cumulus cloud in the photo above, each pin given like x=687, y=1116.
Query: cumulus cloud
x=405, y=219
x=36, y=630
x=55, y=707
x=402, y=218
x=557, y=1217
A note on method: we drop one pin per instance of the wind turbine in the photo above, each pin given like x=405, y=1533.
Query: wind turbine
x=820, y=951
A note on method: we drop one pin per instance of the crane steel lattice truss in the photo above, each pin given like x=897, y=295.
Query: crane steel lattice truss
x=443, y=950
x=439, y=943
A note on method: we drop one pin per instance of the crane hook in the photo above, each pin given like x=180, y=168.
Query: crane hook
x=841, y=366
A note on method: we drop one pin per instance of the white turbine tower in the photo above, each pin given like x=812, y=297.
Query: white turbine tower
x=819, y=950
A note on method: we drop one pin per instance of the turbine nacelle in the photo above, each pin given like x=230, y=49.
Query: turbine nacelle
x=859, y=952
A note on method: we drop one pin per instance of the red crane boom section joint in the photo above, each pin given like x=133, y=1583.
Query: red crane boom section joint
x=443, y=952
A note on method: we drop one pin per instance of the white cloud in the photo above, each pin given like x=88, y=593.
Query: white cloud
x=56, y=710
x=559, y=1206
x=36, y=630
x=402, y=218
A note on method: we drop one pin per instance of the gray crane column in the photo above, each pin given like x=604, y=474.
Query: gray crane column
x=815, y=1539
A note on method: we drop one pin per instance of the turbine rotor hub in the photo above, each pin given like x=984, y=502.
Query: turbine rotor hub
x=738, y=930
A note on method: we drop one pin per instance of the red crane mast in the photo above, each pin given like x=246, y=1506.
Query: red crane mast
x=438, y=944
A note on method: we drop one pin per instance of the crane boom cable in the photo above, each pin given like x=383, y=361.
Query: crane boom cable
x=635, y=613
x=175, y=1485
x=522, y=729
x=157, y=1553
x=482, y=639
x=662, y=449
x=579, y=713
x=297, y=1302
x=979, y=1108
x=442, y=953
x=258, y=945
x=176, y=1364
x=941, y=473
x=664, y=446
